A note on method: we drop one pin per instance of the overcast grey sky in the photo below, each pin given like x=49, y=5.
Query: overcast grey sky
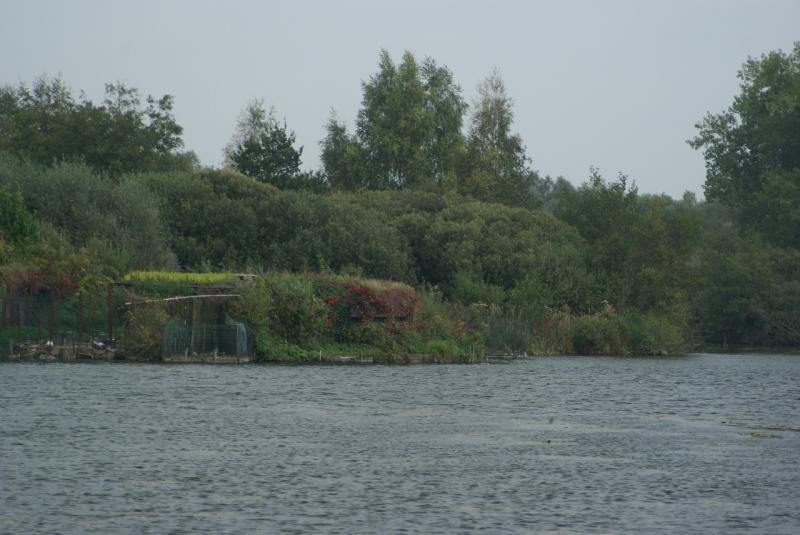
x=618, y=85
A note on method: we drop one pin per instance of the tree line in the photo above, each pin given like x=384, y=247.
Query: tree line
x=429, y=191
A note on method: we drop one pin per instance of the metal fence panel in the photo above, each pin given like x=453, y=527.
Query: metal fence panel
x=228, y=339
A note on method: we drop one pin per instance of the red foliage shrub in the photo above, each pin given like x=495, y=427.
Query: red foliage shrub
x=351, y=302
x=59, y=275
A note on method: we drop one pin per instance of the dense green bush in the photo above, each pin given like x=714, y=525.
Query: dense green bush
x=440, y=320
x=601, y=333
x=143, y=336
x=284, y=305
x=274, y=348
x=296, y=313
x=469, y=289
x=608, y=333
x=444, y=350
x=748, y=292
x=652, y=334
x=17, y=225
x=254, y=305
x=111, y=219
x=226, y=220
x=212, y=216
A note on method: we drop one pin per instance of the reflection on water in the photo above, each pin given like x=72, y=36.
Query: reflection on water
x=702, y=443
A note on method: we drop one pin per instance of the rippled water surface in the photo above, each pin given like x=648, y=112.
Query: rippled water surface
x=697, y=444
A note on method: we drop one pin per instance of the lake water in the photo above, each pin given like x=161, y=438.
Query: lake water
x=695, y=444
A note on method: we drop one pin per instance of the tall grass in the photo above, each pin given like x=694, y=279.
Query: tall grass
x=177, y=276
x=378, y=285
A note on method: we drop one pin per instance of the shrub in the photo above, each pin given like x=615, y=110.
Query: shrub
x=372, y=334
x=509, y=330
x=352, y=304
x=83, y=206
x=437, y=320
x=144, y=332
x=295, y=312
x=413, y=342
x=17, y=225
x=554, y=336
x=444, y=350
x=273, y=348
x=253, y=305
x=649, y=334
x=468, y=289
x=601, y=333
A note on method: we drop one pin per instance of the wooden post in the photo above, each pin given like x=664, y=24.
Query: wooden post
x=80, y=316
x=5, y=318
x=130, y=317
x=91, y=326
x=195, y=318
x=109, y=310
x=57, y=318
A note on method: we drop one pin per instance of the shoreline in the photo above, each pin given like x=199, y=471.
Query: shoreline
x=349, y=360
x=230, y=360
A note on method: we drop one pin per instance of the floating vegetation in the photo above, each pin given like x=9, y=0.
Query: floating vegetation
x=756, y=434
x=775, y=427
x=763, y=427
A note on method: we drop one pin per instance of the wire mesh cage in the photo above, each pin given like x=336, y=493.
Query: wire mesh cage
x=232, y=338
x=62, y=320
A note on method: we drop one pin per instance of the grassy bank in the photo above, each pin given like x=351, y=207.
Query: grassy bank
x=308, y=318
x=302, y=318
